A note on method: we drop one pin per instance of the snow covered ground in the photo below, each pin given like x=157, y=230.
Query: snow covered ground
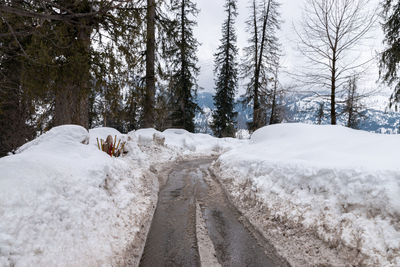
x=338, y=184
x=65, y=203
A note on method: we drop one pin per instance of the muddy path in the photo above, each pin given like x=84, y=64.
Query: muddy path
x=195, y=225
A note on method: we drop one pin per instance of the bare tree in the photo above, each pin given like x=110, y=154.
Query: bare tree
x=331, y=31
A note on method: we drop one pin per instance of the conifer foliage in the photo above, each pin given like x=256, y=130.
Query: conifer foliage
x=391, y=56
x=353, y=107
x=183, y=65
x=16, y=105
x=227, y=76
x=73, y=47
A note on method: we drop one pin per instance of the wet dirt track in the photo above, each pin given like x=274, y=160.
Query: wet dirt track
x=172, y=239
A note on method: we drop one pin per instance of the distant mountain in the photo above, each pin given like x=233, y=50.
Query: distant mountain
x=304, y=108
x=204, y=119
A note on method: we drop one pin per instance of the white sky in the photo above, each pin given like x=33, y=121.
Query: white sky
x=208, y=33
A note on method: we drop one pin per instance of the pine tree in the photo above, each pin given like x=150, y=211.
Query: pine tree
x=183, y=63
x=390, y=59
x=61, y=60
x=320, y=112
x=227, y=76
x=260, y=56
x=353, y=107
x=75, y=47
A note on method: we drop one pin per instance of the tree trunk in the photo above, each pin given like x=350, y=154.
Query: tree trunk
x=150, y=70
x=255, y=93
x=273, y=120
x=185, y=88
x=63, y=106
x=71, y=106
x=333, y=92
x=258, y=121
x=72, y=96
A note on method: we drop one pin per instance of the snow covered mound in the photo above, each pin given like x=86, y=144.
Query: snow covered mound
x=188, y=143
x=326, y=146
x=65, y=203
x=342, y=184
x=64, y=136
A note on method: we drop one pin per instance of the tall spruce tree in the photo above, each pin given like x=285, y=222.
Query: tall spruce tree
x=76, y=46
x=226, y=71
x=183, y=63
x=60, y=53
x=260, y=56
x=389, y=64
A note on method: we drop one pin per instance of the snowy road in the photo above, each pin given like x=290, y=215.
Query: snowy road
x=195, y=225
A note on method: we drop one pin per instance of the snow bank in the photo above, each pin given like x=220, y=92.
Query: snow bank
x=342, y=184
x=187, y=143
x=63, y=202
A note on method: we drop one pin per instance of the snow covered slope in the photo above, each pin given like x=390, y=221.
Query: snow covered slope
x=342, y=185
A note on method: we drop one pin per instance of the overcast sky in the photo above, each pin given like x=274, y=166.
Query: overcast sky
x=208, y=33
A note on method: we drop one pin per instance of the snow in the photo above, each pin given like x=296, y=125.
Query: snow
x=63, y=202
x=242, y=134
x=188, y=143
x=66, y=203
x=327, y=146
x=342, y=184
